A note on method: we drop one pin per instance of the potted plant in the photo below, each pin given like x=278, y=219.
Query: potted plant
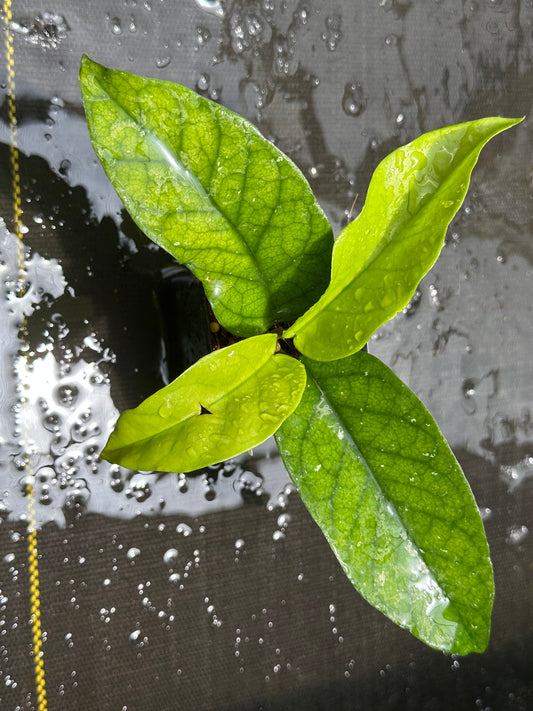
x=366, y=456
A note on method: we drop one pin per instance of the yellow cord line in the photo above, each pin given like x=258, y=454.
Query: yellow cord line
x=12, y=114
x=33, y=551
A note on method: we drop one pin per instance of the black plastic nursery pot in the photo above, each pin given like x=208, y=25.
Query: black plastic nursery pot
x=215, y=589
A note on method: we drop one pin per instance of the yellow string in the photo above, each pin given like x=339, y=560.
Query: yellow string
x=33, y=551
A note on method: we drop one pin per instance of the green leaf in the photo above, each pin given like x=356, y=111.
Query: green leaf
x=229, y=401
x=379, y=259
x=377, y=476
x=204, y=184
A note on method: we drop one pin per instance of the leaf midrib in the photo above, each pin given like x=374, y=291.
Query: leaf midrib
x=200, y=405
x=385, y=497
x=378, y=252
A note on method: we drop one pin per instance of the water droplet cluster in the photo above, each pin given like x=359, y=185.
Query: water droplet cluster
x=47, y=30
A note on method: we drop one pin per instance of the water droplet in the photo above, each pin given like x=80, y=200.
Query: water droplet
x=304, y=16
x=212, y=7
x=182, y=483
x=116, y=482
x=269, y=417
x=170, y=556
x=202, y=35
x=163, y=61
x=251, y=486
x=184, y=529
x=517, y=535
x=469, y=388
x=210, y=492
x=47, y=30
x=283, y=520
x=133, y=553
x=436, y=299
x=333, y=34
x=77, y=498
x=485, y=513
x=64, y=167
x=203, y=82
x=134, y=636
x=353, y=100
x=116, y=27
x=139, y=489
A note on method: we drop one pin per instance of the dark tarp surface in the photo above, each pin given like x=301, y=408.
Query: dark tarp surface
x=217, y=591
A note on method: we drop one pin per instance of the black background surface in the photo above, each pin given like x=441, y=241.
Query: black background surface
x=273, y=624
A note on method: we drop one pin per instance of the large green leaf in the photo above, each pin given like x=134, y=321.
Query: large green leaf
x=379, y=259
x=377, y=475
x=229, y=401
x=204, y=184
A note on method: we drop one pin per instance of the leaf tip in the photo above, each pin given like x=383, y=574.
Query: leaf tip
x=88, y=68
x=86, y=64
x=289, y=332
x=515, y=121
x=510, y=122
x=464, y=648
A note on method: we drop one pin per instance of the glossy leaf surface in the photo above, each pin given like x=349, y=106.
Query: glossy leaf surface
x=204, y=184
x=377, y=475
x=379, y=259
x=229, y=401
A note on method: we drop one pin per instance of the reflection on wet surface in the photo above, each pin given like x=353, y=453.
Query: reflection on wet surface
x=67, y=355
x=57, y=407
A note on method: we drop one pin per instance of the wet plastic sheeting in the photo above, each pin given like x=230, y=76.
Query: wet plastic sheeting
x=216, y=590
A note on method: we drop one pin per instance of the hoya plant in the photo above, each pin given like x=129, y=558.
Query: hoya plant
x=367, y=458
